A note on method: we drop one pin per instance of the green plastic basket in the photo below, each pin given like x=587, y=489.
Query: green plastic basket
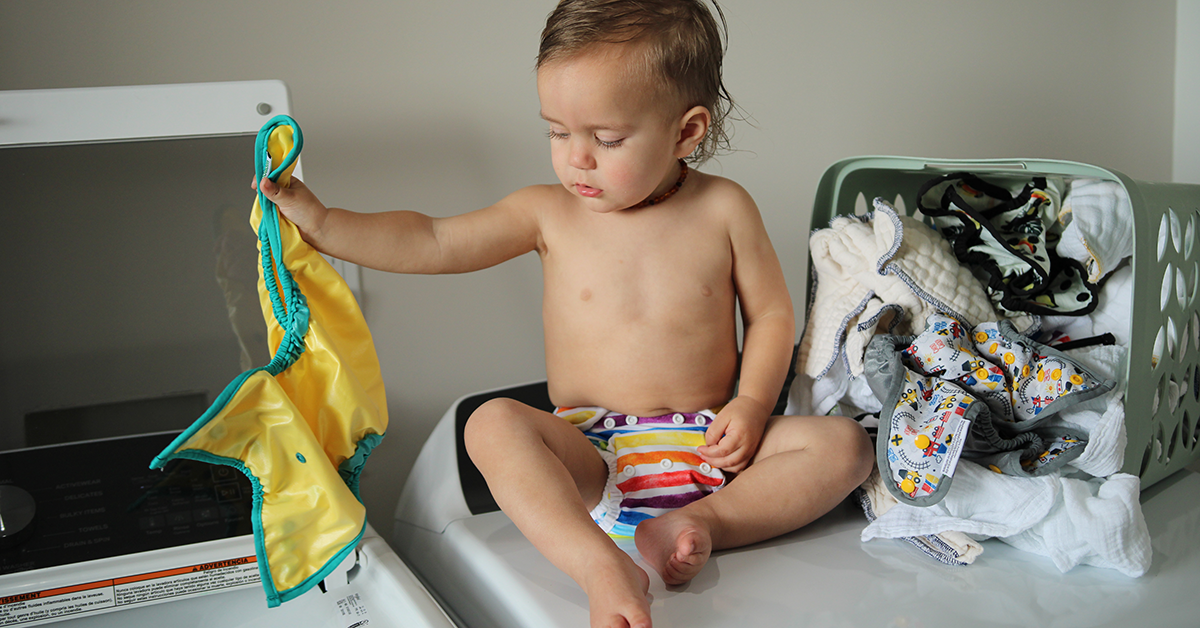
x=1162, y=400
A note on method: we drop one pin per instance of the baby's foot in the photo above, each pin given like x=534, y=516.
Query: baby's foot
x=676, y=544
x=617, y=595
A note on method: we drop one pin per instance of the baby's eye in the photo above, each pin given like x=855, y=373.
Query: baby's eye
x=608, y=143
x=555, y=135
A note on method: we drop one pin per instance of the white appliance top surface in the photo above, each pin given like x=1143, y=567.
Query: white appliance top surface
x=383, y=592
x=823, y=575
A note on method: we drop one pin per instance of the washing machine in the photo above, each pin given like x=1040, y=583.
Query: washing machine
x=130, y=275
x=92, y=538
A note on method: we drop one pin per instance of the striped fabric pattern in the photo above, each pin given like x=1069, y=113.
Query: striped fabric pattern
x=653, y=463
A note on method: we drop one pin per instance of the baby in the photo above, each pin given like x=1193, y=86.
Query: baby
x=663, y=432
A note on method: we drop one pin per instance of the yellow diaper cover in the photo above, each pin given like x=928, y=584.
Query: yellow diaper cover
x=302, y=426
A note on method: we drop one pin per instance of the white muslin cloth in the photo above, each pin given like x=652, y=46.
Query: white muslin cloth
x=1096, y=522
x=1098, y=221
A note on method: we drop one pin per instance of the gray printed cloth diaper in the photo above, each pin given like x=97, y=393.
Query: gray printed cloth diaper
x=987, y=394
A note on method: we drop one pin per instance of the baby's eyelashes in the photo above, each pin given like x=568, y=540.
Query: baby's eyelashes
x=600, y=141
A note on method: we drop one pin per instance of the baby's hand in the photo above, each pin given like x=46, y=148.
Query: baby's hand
x=298, y=204
x=732, y=439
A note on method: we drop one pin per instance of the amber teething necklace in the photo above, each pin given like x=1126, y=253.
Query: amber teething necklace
x=683, y=172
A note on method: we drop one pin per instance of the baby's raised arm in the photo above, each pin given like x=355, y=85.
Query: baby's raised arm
x=410, y=242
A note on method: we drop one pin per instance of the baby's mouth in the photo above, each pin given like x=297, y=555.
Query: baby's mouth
x=587, y=190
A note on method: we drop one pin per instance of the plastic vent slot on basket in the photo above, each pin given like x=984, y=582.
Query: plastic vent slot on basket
x=1163, y=427
x=1189, y=236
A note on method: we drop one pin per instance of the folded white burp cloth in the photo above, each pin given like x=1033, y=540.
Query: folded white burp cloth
x=1098, y=221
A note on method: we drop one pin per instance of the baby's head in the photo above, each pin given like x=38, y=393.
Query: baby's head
x=680, y=45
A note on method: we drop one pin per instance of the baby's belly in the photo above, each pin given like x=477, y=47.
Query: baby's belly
x=643, y=370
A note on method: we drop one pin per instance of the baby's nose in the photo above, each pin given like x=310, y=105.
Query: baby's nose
x=581, y=156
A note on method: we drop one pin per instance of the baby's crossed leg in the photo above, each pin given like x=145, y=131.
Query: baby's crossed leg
x=545, y=475
x=774, y=495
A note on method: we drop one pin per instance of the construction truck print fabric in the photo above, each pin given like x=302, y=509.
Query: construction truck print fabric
x=987, y=394
x=653, y=466
x=1012, y=241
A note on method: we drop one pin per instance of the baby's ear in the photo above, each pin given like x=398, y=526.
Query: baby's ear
x=693, y=126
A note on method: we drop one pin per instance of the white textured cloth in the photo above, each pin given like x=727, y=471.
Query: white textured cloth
x=1112, y=313
x=836, y=393
x=1096, y=522
x=950, y=547
x=1098, y=221
x=1104, y=418
x=1072, y=521
x=872, y=270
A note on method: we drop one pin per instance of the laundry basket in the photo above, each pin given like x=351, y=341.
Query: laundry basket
x=1162, y=400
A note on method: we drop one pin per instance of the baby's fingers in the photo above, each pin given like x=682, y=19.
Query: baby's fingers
x=734, y=460
x=727, y=447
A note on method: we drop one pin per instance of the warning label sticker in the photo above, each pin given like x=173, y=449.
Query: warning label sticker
x=103, y=595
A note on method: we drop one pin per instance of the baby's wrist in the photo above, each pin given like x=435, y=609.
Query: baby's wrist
x=758, y=407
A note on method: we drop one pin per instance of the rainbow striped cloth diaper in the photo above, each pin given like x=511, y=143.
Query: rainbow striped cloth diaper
x=653, y=467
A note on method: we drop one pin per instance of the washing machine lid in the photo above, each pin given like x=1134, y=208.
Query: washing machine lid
x=824, y=575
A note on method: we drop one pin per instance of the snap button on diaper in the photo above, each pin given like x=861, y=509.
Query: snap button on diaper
x=628, y=471
x=666, y=463
x=700, y=420
x=610, y=423
x=678, y=419
x=705, y=467
x=631, y=420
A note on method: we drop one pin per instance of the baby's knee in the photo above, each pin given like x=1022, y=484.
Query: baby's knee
x=855, y=453
x=489, y=424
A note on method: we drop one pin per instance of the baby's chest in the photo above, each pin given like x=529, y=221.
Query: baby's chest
x=640, y=275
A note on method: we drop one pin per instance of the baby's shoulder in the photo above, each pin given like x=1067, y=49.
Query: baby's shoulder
x=725, y=197
x=536, y=197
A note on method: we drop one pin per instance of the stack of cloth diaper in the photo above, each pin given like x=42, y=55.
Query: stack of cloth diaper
x=990, y=362
x=987, y=393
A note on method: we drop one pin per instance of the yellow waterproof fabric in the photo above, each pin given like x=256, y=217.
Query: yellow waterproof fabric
x=302, y=426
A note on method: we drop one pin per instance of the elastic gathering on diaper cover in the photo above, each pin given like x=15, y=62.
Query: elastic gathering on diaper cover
x=652, y=462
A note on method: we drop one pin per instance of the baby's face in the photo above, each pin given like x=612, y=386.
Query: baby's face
x=612, y=138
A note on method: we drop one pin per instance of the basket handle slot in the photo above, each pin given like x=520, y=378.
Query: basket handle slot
x=966, y=165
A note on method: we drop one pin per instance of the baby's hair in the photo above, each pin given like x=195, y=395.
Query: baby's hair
x=685, y=49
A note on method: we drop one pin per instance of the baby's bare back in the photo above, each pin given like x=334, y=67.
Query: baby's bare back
x=639, y=308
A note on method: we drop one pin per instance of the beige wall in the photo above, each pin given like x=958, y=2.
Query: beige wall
x=431, y=106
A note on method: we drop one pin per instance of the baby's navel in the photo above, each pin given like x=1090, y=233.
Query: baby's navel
x=586, y=295
x=706, y=291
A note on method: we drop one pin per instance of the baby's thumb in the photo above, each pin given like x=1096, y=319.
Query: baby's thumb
x=269, y=188
x=714, y=433
x=277, y=194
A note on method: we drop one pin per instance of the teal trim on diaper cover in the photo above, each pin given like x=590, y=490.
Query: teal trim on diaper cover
x=983, y=395
x=292, y=314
